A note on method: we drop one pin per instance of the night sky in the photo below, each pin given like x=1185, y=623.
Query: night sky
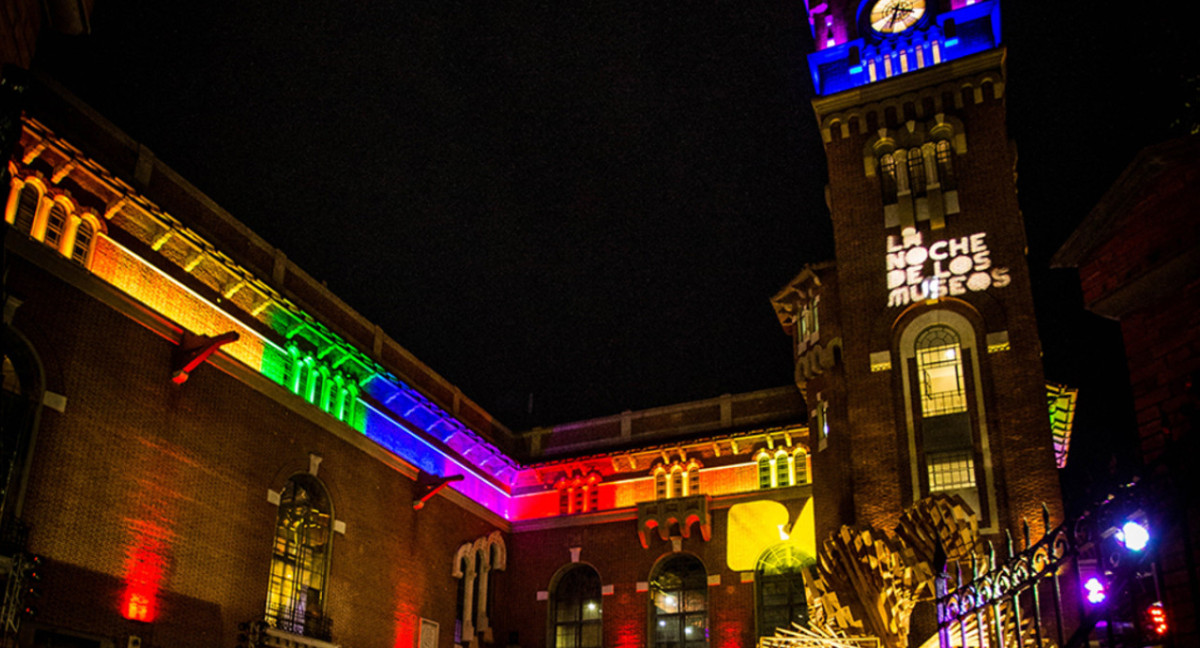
x=592, y=202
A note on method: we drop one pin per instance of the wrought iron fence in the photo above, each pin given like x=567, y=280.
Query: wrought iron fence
x=1032, y=597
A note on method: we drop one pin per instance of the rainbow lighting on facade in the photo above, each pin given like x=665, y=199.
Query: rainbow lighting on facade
x=841, y=63
x=181, y=284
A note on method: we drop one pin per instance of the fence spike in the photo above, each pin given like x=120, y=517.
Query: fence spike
x=1045, y=519
x=1025, y=533
x=1008, y=541
x=991, y=556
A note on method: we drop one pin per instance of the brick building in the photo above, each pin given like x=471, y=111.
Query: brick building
x=208, y=437
x=1138, y=255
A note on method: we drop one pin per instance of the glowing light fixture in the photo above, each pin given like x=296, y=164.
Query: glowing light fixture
x=1134, y=536
x=1156, y=618
x=1095, y=589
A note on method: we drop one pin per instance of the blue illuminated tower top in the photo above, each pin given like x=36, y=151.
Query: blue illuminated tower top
x=860, y=42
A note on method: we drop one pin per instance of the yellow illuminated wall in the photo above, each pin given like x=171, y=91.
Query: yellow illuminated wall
x=755, y=527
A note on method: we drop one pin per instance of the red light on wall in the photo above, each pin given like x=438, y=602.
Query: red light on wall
x=139, y=607
x=145, y=570
x=1156, y=619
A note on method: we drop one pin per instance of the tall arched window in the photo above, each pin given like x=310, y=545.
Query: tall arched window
x=676, y=488
x=679, y=591
x=940, y=372
x=83, y=242
x=800, y=463
x=56, y=223
x=660, y=482
x=27, y=206
x=764, y=470
x=945, y=164
x=780, y=588
x=946, y=429
x=783, y=476
x=577, y=607
x=887, y=166
x=300, y=562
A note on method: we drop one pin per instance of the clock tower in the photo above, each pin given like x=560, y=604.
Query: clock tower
x=917, y=350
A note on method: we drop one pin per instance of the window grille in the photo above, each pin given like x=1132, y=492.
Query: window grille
x=940, y=370
x=26, y=209
x=779, y=582
x=764, y=470
x=577, y=609
x=295, y=593
x=83, y=242
x=56, y=222
x=679, y=590
x=951, y=471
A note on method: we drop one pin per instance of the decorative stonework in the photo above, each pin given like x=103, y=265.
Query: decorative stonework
x=474, y=562
x=680, y=511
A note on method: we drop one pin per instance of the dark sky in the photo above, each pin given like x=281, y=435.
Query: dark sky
x=591, y=202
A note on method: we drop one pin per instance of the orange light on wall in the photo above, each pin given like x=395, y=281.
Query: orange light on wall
x=166, y=296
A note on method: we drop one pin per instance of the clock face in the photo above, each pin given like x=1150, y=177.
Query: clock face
x=895, y=16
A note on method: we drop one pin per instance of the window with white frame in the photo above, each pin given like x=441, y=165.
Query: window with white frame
x=940, y=372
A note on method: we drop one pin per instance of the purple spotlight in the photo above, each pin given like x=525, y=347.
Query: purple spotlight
x=1095, y=589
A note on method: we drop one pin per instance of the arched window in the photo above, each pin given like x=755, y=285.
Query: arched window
x=800, y=461
x=300, y=562
x=578, y=496
x=660, y=482
x=27, y=206
x=693, y=477
x=83, y=242
x=577, y=607
x=940, y=372
x=56, y=223
x=941, y=376
x=593, y=492
x=945, y=165
x=779, y=582
x=764, y=470
x=676, y=488
x=887, y=167
x=782, y=475
x=564, y=496
x=679, y=592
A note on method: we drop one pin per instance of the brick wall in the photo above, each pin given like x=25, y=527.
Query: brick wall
x=141, y=484
x=1013, y=383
